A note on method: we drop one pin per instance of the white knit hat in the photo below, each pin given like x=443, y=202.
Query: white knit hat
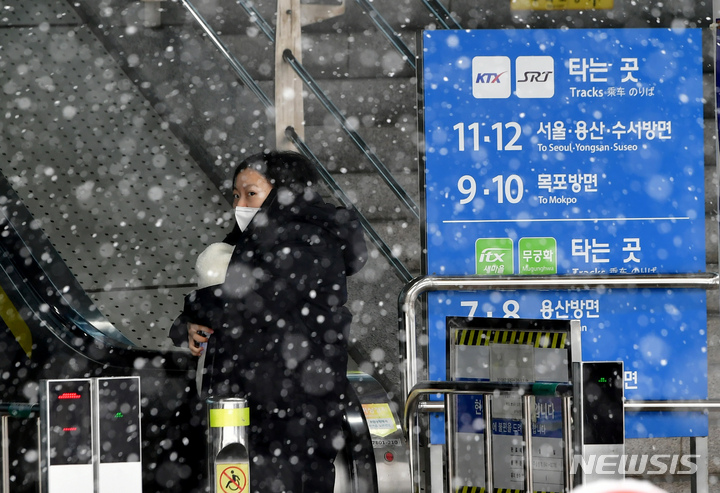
x=211, y=265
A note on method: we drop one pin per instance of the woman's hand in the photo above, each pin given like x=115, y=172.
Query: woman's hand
x=197, y=334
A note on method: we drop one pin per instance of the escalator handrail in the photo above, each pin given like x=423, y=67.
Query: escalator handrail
x=244, y=76
x=438, y=10
x=81, y=311
x=69, y=313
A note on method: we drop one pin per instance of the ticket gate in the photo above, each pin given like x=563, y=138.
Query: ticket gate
x=520, y=410
x=88, y=433
x=91, y=435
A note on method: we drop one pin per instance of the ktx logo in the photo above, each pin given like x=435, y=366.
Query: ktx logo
x=492, y=77
x=489, y=78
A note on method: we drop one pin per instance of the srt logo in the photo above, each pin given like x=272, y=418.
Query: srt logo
x=535, y=76
x=488, y=78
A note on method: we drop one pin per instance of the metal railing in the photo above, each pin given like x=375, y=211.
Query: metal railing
x=438, y=10
x=400, y=270
x=412, y=291
x=698, y=445
x=335, y=112
x=354, y=136
x=244, y=76
x=662, y=406
x=258, y=19
x=18, y=409
x=398, y=267
x=487, y=389
x=389, y=32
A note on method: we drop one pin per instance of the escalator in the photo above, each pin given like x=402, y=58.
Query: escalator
x=50, y=329
x=102, y=212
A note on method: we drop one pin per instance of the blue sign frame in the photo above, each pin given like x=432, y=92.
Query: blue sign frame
x=580, y=151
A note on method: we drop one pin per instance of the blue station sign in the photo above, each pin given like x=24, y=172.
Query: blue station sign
x=574, y=151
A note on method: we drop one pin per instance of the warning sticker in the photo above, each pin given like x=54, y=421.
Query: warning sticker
x=231, y=478
x=380, y=419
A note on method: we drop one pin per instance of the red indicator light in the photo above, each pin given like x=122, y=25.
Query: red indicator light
x=70, y=429
x=389, y=457
x=69, y=395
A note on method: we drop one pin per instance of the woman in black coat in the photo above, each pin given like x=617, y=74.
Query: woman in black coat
x=277, y=329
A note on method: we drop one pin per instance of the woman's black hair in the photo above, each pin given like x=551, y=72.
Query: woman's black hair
x=283, y=169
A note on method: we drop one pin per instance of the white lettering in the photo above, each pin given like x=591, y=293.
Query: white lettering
x=630, y=469
x=563, y=200
x=689, y=462
x=635, y=464
x=655, y=461
x=625, y=147
x=586, y=93
x=600, y=468
x=587, y=467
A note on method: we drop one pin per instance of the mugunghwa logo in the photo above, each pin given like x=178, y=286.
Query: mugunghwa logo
x=492, y=77
x=612, y=464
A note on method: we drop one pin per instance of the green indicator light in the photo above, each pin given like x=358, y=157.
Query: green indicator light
x=603, y=380
x=119, y=415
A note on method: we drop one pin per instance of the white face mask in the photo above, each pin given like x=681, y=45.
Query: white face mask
x=243, y=216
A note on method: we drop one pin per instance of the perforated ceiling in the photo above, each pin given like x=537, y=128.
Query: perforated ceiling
x=124, y=206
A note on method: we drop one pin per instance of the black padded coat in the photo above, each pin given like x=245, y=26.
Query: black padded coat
x=281, y=327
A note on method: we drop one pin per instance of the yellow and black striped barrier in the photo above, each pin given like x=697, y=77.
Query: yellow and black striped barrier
x=476, y=337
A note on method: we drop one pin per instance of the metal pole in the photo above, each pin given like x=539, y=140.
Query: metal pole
x=567, y=440
x=689, y=405
x=450, y=441
x=489, y=474
x=527, y=410
x=700, y=481
x=228, y=454
x=5, y=448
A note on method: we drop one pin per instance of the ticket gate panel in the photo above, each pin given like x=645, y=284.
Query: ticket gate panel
x=508, y=350
x=602, y=434
x=90, y=435
x=117, y=440
x=66, y=436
